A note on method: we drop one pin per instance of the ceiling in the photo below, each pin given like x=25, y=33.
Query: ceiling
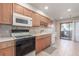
x=58, y=10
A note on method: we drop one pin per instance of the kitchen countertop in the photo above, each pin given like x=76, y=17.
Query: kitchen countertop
x=11, y=38
x=6, y=39
x=41, y=34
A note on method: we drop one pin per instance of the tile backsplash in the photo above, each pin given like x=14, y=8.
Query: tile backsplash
x=5, y=31
x=36, y=30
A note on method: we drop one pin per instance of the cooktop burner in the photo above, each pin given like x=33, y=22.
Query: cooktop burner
x=24, y=36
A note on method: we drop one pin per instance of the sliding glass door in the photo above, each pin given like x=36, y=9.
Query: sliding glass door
x=66, y=31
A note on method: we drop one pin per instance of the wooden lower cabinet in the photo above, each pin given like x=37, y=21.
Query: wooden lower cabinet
x=48, y=41
x=42, y=43
x=9, y=51
x=38, y=45
x=1, y=54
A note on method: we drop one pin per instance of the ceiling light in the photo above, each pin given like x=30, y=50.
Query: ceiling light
x=68, y=10
x=46, y=7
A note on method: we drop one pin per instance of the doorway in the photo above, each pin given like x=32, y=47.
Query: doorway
x=66, y=31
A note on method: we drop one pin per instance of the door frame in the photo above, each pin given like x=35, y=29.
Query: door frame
x=75, y=30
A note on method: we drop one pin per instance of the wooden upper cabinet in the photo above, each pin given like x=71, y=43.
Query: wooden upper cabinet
x=39, y=20
x=36, y=19
x=44, y=21
x=22, y=10
x=6, y=13
x=18, y=8
x=27, y=12
x=50, y=22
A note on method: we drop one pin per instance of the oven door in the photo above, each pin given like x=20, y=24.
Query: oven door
x=20, y=20
x=24, y=46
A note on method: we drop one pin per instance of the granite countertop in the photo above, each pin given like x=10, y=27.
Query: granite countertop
x=39, y=34
x=11, y=38
x=6, y=39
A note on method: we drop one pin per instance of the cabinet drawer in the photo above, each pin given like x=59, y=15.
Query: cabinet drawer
x=6, y=44
x=43, y=36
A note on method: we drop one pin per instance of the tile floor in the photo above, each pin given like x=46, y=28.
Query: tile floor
x=31, y=54
x=62, y=48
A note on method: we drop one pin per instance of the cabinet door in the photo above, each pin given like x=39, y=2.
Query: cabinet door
x=39, y=45
x=17, y=8
x=10, y=51
x=7, y=13
x=48, y=41
x=0, y=12
x=43, y=43
x=1, y=53
x=27, y=12
x=44, y=21
x=36, y=19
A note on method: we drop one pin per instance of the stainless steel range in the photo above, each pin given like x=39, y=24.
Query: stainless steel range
x=25, y=42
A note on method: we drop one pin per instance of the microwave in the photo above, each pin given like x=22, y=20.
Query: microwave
x=21, y=20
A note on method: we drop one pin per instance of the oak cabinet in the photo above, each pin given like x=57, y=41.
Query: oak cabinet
x=18, y=8
x=36, y=19
x=39, y=45
x=1, y=53
x=5, y=13
x=7, y=48
x=46, y=21
x=39, y=20
x=42, y=42
x=9, y=51
x=22, y=10
x=27, y=12
x=7, y=9
x=48, y=41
